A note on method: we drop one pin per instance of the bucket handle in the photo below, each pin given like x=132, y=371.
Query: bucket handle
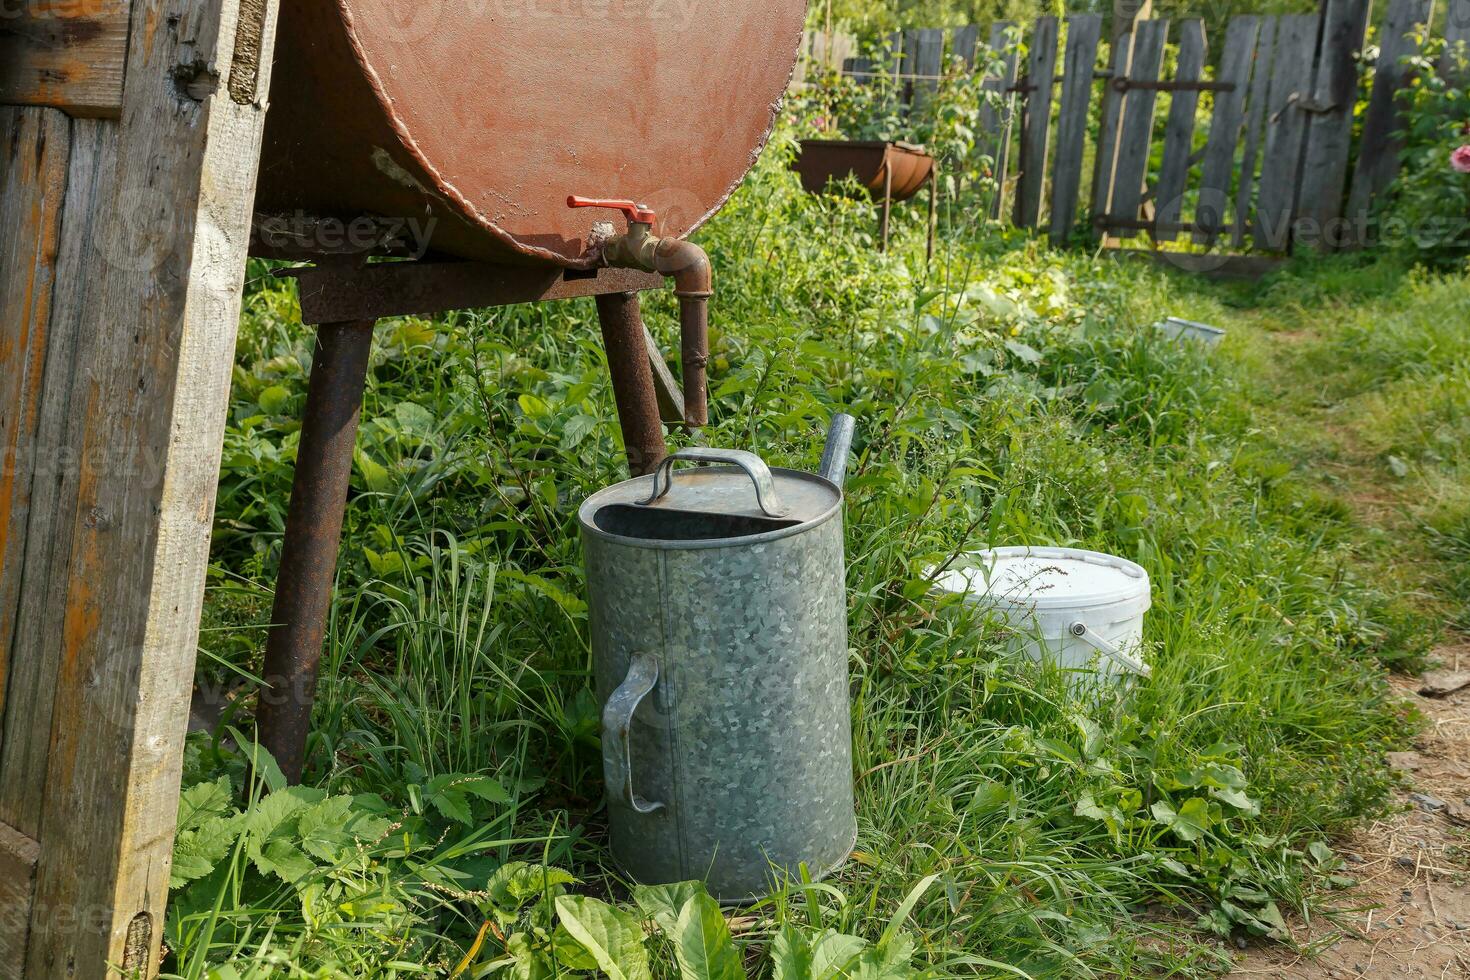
x=617, y=720
x=1087, y=635
x=753, y=465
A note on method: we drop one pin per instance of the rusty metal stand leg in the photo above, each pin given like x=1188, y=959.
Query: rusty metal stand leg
x=933, y=212
x=313, y=533
x=887, y=207
x=632, y=379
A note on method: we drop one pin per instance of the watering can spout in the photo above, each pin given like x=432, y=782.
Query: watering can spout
x=838, y=448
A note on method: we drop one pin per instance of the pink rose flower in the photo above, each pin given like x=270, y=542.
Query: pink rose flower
x=1460, y=159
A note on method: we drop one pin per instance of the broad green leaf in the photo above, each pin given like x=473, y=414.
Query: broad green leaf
x=577, y=429
x=530, y=963
x=887, y=961
x=374, y=474
x=454, y=805
x=513, y=884
x=1025, y=352
x=204, y=802
x=284, y=860
x=1189, y=822
x=791, y=957
x=703, y=946
x=834, y=955
x=533, y=405
x=663, y=903
x=484, y=787
x=1237, y=799
x=197, y=851
x=569, y=953
x=414, y=418
x=335, y=825
x=273, y=400
x=612, y=936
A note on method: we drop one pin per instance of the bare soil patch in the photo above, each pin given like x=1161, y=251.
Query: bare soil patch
x=1409, y=914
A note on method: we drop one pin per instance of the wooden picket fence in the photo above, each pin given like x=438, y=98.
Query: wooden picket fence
x=1281, y=162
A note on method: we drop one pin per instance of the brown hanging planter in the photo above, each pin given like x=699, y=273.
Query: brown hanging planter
x=889, y=169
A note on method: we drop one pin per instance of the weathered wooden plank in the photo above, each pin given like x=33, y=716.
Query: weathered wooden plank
x=928, y=57
x=36, y=650
x=923, y=63
x=18, y=854
x=1084, y=31
x=894, y=51
x=1454, y=63
x=1291, y=88
x=1105, y=164
x=1330, y=126
x=35, y=142
x=1041, y=69
x=166, y=254
x=66, y=54
x=997, y=115
x=1226, y=123
x=965, y=40
x=1379, y=146
x=1135, y=139
x=1255, y=127
x=1179, y=130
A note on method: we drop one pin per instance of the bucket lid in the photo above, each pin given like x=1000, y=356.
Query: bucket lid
x=1045, y=578
x=740, y=497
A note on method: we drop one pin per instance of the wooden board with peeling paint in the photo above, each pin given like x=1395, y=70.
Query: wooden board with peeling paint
x=66, y=54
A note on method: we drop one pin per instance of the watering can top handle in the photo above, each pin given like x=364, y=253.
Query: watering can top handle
x=753, y=465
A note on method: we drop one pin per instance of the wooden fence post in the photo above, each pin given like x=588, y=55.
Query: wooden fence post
x=1456, y=34
x=1041, y=67
x=1330, y=125
x=1291, y=88
x=118, y=382
x=1226, y=126
x=1179, y=132
x=1084, y=31
x=1127, y=14
x=1378, y=149
x=1255, y=128
x=1135, y=136
x=996, y=122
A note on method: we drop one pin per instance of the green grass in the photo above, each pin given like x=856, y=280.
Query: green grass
x=1011, y=395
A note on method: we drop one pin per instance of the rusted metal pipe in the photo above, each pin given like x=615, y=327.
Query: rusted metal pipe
x=689, y=266
x=627, y=360
x=313, y=532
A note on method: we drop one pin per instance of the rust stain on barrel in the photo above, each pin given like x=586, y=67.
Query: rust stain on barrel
x=499, y=110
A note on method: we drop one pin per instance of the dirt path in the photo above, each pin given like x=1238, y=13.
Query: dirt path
x=1409, y=915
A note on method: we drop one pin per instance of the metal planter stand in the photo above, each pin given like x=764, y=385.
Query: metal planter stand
x=344, y=299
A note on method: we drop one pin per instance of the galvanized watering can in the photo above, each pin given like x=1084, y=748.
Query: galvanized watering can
x=719, y=631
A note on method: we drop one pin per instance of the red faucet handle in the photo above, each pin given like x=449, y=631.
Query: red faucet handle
x=635, y=213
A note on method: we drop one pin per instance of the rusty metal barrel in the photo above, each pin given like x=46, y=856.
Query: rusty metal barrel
x=477, y=118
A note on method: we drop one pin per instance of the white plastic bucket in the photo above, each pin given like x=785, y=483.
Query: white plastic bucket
x=1081, y=610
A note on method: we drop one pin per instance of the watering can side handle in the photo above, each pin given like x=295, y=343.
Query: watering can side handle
x=753, y=465
x=1087, y=635
x=617, y=722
